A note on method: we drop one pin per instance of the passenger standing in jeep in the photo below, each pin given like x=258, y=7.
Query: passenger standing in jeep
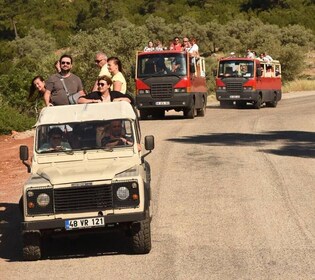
x=63, y=88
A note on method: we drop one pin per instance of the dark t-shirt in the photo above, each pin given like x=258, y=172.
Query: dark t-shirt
x=96, y=95
x=58, y=92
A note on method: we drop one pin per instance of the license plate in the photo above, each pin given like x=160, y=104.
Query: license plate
x=234, y=96
x=85, y=223
x=162, y=103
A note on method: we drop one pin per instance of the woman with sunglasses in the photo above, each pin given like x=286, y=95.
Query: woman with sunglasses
x=104, y=94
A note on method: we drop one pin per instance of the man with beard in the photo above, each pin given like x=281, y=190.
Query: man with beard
x=65, y=87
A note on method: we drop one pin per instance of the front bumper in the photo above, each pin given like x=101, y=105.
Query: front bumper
x=243, y=96
x=60, y=223
x=177, y=101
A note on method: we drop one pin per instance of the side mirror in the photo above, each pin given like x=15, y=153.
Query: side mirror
x=214, y=72
x=149, y=142
x=149, y=145
x=24, y=157
x=259, y=72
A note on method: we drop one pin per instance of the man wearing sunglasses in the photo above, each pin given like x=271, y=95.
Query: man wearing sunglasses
x=62, y=85
x=101, y=62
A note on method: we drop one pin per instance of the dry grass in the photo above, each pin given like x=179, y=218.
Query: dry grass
x=299, y=85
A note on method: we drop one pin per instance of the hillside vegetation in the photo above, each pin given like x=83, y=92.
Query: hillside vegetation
x=34, y=33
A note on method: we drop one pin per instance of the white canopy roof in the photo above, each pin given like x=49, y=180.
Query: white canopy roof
x=85, y=112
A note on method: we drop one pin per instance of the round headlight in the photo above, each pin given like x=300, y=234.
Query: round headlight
x=43, y=200
x=122, y=193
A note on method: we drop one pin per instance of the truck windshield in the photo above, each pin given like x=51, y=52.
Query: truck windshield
x=161, y=64
x=83, y=136
x=236, y=68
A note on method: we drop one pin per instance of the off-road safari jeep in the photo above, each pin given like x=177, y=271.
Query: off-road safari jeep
x=83, y=185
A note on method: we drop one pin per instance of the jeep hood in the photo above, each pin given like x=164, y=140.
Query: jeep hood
x=83, y=172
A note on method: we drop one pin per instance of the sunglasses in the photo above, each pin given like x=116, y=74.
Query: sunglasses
x=56, y=137
x=98, y=61
x=101, y=84
x=186, y=41
x=65, y=62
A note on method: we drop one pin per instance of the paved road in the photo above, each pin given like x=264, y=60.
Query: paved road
x=233, y=197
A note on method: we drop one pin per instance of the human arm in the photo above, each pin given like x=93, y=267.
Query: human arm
x=93, y=97
x=46, y=97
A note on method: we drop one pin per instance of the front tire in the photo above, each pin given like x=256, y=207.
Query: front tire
x=190, y=112
x=141, y=239
x=201, y=112
x=31, y=246
x=258, y=102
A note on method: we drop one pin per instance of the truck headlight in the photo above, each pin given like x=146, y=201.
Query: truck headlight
x=221, y=88
x=126, y=194
x=180, y=89
x=143, y=91
x=122, y=193
x=43, y=199
x=247, y=88
x=39, y=201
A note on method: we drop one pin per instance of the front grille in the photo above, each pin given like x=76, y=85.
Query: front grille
x=234, y=87
x=83, y=198
x=161, y=91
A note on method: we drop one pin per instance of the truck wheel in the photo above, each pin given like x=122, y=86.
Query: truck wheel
x=143, y=114
x=141, y=240
x=31, y=246
x=273, y=103
x=190, y=112
x=201, y=112
x=257, y=103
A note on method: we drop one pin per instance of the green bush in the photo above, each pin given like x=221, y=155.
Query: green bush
x=12, y=119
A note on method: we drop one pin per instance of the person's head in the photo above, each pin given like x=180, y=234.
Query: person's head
x=176, y=40
x=114, y=65
x=57, y=66
x=116, y=128
x=100, y=59
x=186, y=41
x=193, y=40
x=150, y=44
x=104, y=83
x=38, y=83
x=65, y=63
x=55, y=137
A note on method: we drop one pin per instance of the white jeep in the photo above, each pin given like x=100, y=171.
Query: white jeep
x=88, y=174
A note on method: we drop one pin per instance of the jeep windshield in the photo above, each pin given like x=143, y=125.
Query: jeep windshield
x=236, y=68
x=109, y=135
x=162, y=64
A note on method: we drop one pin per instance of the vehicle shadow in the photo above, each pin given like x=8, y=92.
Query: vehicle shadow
x=10, y=234
x=298, y=143
x=87, y=245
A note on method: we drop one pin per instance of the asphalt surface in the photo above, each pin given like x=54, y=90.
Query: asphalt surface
x=233, y=198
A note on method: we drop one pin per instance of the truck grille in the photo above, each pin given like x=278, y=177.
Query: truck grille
x=83, y=198
x=161, y=91
x=234, y=87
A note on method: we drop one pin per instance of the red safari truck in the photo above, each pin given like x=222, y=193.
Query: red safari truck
x=170, y=80
x=246, y=80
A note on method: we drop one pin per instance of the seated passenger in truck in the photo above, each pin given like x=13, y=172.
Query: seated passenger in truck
x=116, y=136
x=55, y=142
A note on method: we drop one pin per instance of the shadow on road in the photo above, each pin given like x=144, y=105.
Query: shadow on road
x=298, y=143
x=10, y=237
